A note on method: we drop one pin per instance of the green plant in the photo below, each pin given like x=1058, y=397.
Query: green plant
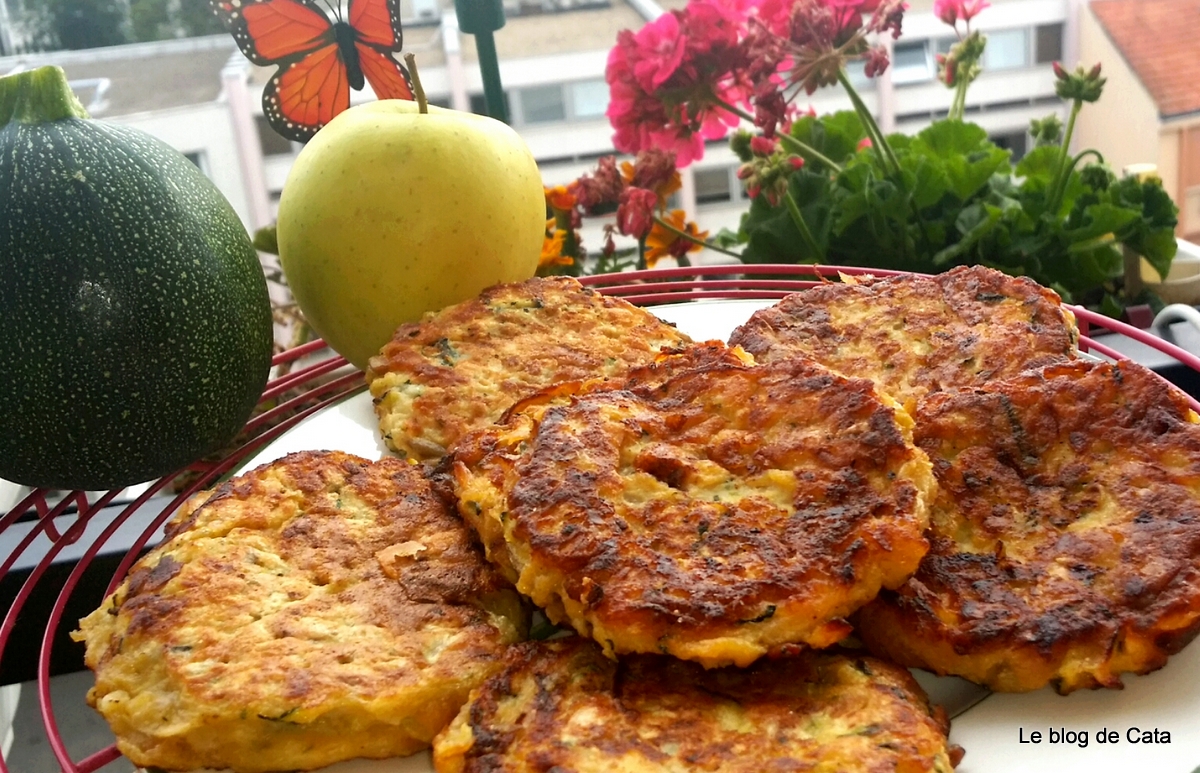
x=833, y=189
x=953, y=198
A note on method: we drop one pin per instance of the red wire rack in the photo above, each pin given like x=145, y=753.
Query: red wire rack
x=291, y=398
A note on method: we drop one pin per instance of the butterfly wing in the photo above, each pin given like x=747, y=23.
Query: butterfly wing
x=376, y=23
x=388, y=78
x=310, y=87
x=275, y=31
x=377, y=33
x=306, y=95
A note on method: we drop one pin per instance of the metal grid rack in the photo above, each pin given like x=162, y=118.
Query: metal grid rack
x=47, y=527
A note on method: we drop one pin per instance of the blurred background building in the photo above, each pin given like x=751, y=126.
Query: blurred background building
x=201, y=95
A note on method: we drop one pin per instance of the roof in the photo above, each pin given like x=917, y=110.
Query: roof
x=133, y=76
x=1157, y=39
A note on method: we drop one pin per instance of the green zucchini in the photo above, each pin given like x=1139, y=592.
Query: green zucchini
x=135, y=326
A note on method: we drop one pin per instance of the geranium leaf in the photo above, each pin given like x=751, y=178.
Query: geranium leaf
x=835, y=136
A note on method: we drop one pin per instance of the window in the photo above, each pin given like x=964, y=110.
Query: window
x=856, y=72
x=198, y=158
x=271, y=141
x=713, y=186
x=1006, y=50
x=589, y=99
x=542, y=104
x=1017, y=142
x=1049, y=43
x=911, y=63
x=479, y=104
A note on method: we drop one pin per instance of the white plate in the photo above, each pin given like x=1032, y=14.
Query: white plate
x=997, y=732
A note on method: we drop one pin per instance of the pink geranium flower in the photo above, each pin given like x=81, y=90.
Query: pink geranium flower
x=953, y=11
x=673, y=81
x=659, y=50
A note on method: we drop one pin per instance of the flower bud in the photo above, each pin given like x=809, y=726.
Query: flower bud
x=739, y=143
x=763, y=146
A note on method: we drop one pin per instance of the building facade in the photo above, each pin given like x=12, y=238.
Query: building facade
x=204, y=98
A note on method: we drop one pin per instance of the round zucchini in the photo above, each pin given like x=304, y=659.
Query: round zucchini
x=135, y=327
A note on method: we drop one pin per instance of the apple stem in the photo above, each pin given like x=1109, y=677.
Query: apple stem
x=422, y=103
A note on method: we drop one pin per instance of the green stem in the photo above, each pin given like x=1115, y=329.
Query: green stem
x=959, y=106
x=641, y=261
x=418, y=90
x=1064, y=170
x=797, y=146
x=803, y=148
x=38, y=96
x=684, y=234
x=798, y=218
x=1086, y=153
x=887, y=156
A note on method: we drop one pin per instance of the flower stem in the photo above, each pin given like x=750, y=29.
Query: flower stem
x=803, y=148
x=887, y=156
x=794, y=144
x=959, y=106
x=1059, y=188
x=798, y=218
x=684, y=234
x=418, y=90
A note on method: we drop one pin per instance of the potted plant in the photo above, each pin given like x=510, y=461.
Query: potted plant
x=834, y=189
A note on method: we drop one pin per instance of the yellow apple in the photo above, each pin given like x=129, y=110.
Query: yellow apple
x=389, y=212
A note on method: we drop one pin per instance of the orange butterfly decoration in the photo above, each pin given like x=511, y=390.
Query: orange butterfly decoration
x=319, y=59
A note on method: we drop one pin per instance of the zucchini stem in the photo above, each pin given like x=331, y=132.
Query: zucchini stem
x=38, y=96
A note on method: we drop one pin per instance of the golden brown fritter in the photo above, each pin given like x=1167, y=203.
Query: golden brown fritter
x=1065, y=537
x=732, y=512
x=562, y=706
x=459, y=369
x=312, y=610
x=914, y=335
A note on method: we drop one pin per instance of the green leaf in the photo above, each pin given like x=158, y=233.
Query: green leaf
x=770, y=234
x=1153, y=237
x=1101, y=219
x=929, y=180
x=836, y=136
x=974, y=223
x=968, y=158
x=1111, y=306
x=266, y=241
x=1039, y=165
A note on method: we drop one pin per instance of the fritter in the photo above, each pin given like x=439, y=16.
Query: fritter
x=562, y=706
x=731, y=512
x=312, y=610
x=1065, y=537
x=459, y=369
x=913, y=334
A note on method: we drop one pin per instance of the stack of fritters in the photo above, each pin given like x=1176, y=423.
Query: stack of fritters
x=459, y=369
x=1065, y=537
x=562, y=706
x=313, y=610
x=675, y=502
